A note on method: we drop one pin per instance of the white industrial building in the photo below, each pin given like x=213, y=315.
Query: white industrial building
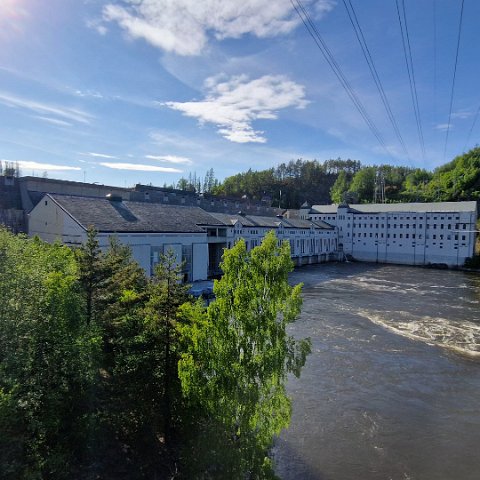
x=197, y=237
x=404, y=233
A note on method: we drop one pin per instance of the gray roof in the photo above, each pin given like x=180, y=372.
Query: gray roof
x=402, y=207
x=136, y=217
x=268, y=222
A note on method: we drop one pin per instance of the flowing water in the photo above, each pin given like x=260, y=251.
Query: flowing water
x=392, y=387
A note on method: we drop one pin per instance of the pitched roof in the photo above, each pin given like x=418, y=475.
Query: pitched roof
x=268, y=222
x=402, y=207
x=136, y=217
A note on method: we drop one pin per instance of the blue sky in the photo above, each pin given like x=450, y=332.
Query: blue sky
x=120, y=92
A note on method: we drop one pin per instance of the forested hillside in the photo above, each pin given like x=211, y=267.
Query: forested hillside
x=291, y=184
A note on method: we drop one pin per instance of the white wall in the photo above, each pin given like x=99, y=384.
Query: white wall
x=415, y=238
x=48, y=221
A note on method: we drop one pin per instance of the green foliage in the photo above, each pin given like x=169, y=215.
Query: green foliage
x=238, y=356
x=340, y=187
x=363, y=184
x=457, y=180
x=90, y=355
x=166, y=294
x=45, y=361
x=289, y=184
x=89, y=259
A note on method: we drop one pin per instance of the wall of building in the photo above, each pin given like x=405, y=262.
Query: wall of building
x=51, y=223
x=413, y=238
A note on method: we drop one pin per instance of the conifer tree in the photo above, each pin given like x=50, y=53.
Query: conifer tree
x=166, y=294
x=89, y=258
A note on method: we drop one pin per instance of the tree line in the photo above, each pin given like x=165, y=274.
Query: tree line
x=455, y=181
x=108, y=374
x=333, y=181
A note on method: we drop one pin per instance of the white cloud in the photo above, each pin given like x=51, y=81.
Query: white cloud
x=98, y=155
x=170, y=159
x=139, y=167
x=87, y=93
x=183, y=26
x=97, y=25
x=462, y=114
x=54, y=121
x=29, y=165
x=43, y=109
x=233, y=105
x=443, y=127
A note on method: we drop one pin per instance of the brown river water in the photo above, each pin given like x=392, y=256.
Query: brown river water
x=391, y=390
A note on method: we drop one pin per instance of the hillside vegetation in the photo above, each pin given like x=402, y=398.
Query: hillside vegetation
x=289, y=185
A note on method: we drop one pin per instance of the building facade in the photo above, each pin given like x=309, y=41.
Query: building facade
x=404, y=233
x=197, y=237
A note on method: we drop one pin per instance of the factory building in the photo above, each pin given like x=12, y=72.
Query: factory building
x=197, y=237
x=404, y=233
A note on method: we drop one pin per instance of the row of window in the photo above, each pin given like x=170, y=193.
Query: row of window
x=441, y=226
x=367, y=217
x=413, y=245
x=407, y=235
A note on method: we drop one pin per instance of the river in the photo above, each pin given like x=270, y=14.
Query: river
x=391, y=390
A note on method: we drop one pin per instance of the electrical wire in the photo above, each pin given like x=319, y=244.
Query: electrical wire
x=471, y=128
x=410, y=71
x=371, y=65
x=435, y=61
x=329, y=57
x=453, y=81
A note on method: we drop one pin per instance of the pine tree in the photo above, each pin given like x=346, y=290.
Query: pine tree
x=89, y=258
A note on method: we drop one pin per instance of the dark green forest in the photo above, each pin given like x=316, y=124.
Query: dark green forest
x=290, y=184
x=107, y=374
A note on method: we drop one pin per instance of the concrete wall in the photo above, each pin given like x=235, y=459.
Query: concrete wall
x=413, y=238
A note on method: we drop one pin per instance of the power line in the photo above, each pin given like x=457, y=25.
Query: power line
x=411, y=72
x=435, y=61
x=371, y=65
x=471, y=128
x=322, y=46
x=453, y=82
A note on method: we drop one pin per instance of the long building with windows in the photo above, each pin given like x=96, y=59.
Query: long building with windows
x=404, y=233
x=197, y=237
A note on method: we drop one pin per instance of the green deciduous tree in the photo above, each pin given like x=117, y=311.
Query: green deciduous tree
x=46, y=366
x=363, y=184
x=340, y=187
x=238, y=355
